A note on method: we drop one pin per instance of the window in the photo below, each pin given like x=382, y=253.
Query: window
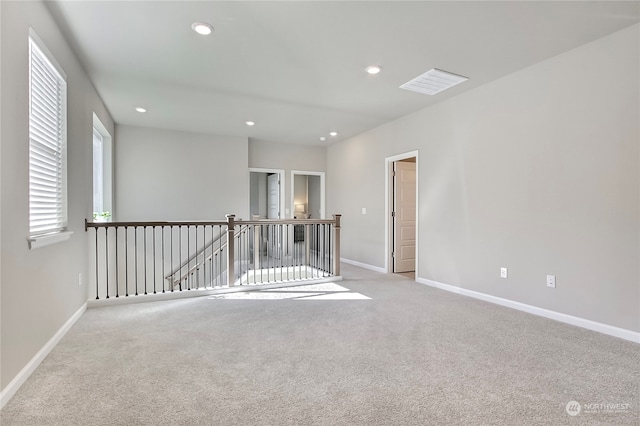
x=98, y=174
x=102, y=179
x=47, y=146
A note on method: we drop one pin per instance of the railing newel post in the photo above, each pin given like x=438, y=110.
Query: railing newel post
x=231, y=273
x=256, y=244
x=97, y=264
x=336, y=246
x=307, y=245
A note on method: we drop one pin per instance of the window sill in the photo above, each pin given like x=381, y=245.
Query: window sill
x=47, y=240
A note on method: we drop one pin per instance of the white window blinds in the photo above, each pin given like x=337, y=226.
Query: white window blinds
x=47, y=145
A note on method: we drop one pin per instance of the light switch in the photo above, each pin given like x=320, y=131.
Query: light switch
x=364, y=210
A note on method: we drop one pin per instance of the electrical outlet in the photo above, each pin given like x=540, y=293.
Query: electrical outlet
x=551, y=281
x=80, y=279
x=364, y=210
x=503, y=273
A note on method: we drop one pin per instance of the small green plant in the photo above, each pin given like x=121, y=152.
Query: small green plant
x=103, y=216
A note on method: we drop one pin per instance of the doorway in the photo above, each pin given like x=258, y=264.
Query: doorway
x=307, y=194
x=402, y=208
x=266, y=201
x=266, y=193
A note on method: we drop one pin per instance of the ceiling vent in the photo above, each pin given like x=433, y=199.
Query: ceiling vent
x=433, y=81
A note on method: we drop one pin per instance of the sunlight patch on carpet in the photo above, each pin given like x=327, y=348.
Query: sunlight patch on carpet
x=322, y=291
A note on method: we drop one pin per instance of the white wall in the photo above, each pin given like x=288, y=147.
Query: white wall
x=537, y=172
x=273, y=155
x=40, y=290
x=173, y=175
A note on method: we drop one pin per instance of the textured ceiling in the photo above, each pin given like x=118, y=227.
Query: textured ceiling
x=296, y=68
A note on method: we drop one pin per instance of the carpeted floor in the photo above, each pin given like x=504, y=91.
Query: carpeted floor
x=374, y=349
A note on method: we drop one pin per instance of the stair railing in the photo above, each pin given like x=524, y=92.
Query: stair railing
x=216, y=247
x=139, y=258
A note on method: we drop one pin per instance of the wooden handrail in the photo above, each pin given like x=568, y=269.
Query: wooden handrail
x=88, y=224
x=286, y=222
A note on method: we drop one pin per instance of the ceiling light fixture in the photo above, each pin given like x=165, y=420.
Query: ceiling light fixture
x=202, y=28
x=333, y=134
x=374, y=69
x=249, y=123
x=433, y=81
x=140, y=109
x=323, y=138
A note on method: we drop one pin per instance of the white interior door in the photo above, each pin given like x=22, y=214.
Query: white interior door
x=404, y=223
x=273, y=196
x=273, y=212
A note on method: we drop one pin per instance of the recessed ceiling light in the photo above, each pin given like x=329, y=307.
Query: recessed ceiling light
x=433, y=81
x=250, y=123
x=140, y=109
x=333, y=134
x=374, y=69
x=323, y=138
x=202, y=28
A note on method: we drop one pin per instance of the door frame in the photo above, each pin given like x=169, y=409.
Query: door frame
x=388, y=223
x=281, y=175
x=322, y=190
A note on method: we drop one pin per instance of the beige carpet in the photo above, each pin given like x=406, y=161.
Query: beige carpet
x=375, y=350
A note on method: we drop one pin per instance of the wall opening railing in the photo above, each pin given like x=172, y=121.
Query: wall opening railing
x=139, y=258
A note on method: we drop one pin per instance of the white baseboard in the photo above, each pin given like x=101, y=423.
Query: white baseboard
x=568, y=319
x=13, y=386
x=363, y=265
